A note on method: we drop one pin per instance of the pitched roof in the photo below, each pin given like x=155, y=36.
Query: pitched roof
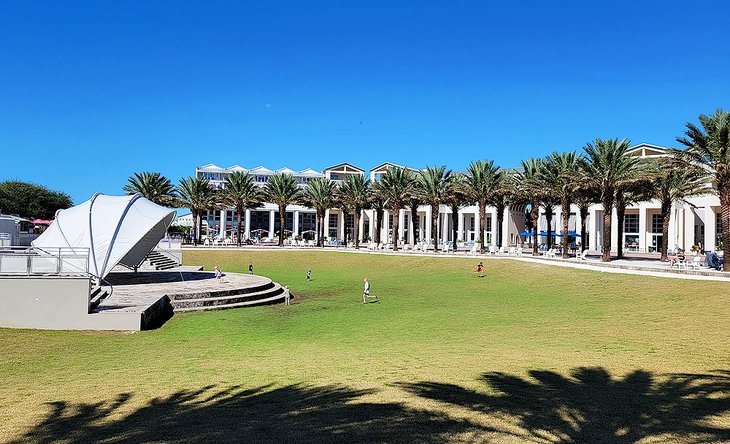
x=344, y=165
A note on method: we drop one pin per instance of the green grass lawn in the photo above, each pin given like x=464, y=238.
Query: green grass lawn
x=529, y=353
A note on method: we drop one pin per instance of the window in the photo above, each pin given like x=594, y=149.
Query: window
x=262, y=179
x=656, y=223
x=334, y=176
x=631, y=223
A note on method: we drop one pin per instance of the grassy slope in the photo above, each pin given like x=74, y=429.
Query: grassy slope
x=436, y=323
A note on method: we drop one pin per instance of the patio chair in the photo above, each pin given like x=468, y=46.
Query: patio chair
x=584, y=255
x=696, y=263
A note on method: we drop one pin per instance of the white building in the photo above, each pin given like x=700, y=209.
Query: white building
x=696, y=224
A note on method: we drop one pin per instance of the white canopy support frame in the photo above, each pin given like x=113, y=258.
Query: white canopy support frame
x=115, y=229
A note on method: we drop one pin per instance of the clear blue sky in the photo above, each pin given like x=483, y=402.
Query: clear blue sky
x=91, y=92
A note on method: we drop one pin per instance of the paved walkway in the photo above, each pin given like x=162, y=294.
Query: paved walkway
x=636, y=266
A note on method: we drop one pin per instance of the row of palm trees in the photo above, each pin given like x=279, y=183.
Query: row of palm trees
x=603, y=173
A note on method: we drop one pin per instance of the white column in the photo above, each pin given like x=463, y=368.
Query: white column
x=643, y=246
x=222, y=232
x=248, y=223
x=401, y=224
x=506, y=239
x=326, y=224
x=341, y=225
x=384, y=227
x=428, y=224
x=460, y=227
x=494, y=226
x=295, y=226
x=361, y=226
x=371, y=227
x=710, y=229
x=272, y=217
x=614, y=231
x=674, y=227
x=411, y=229
x=689, y=228
x=593, y=236
x=444, y=227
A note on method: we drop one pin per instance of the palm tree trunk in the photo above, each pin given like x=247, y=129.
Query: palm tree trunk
x=725, y=210
x=435, y=226
x=238, y=226
x=195, y=227
x=565, y=210
x=357, y=228
x=482, y=217
x=583, y=230
x=500, y=221
x=620, y=213
x=396, y=211
x=606, y=248
x=282, y=219
x=378, y=222
x=320, y=241
x=666, y=209
x=535, y=216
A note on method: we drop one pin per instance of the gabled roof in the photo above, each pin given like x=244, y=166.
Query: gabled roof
x=236, y=168
x=211, y=167
x=310, y=172
x=386, y=165
x=344, y=166
x=647, y=149
x=285, y=170
x=260, y=170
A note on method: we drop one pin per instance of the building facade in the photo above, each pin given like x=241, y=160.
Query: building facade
x=695, y=224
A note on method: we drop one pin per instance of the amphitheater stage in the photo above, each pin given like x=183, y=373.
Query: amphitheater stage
x=153, y=296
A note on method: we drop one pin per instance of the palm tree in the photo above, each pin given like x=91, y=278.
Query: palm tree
x=320, y=195
x=455, y=199
x=607, y=169
x=501, y=198
x=672, y=184
x=709, y=148
x=396, y=185
x=561, y=172
x=432, y=185
x=282, y=190
x=198, y=195
x=153, y=186
x=241, y=192
x=355, y=192
x=480, y=181
x=527, y=186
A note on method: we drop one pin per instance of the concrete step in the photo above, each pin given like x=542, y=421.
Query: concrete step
x=97, y=295
x=249, y=298
x=223, y=293
x=270, y=300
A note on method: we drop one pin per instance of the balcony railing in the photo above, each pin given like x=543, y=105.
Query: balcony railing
x=23, y=261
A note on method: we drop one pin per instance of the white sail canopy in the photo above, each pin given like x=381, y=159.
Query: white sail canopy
x=114, y=229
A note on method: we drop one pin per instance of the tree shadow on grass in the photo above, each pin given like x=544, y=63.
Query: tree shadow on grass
x=293, y=413
x=591, y=406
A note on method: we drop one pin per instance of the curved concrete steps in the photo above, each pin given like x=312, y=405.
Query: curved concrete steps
x=266, y=293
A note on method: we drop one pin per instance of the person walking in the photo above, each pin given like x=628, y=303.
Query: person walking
x=309, y=275
x=250, y=267
x=218, y=273
x=287, y=295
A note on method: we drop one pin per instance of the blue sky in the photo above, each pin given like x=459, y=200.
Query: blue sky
x=91, y=92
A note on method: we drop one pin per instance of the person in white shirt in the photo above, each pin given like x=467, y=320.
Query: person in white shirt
x=366, y=291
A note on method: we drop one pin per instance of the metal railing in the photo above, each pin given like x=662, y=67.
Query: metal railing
x=24, y=261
